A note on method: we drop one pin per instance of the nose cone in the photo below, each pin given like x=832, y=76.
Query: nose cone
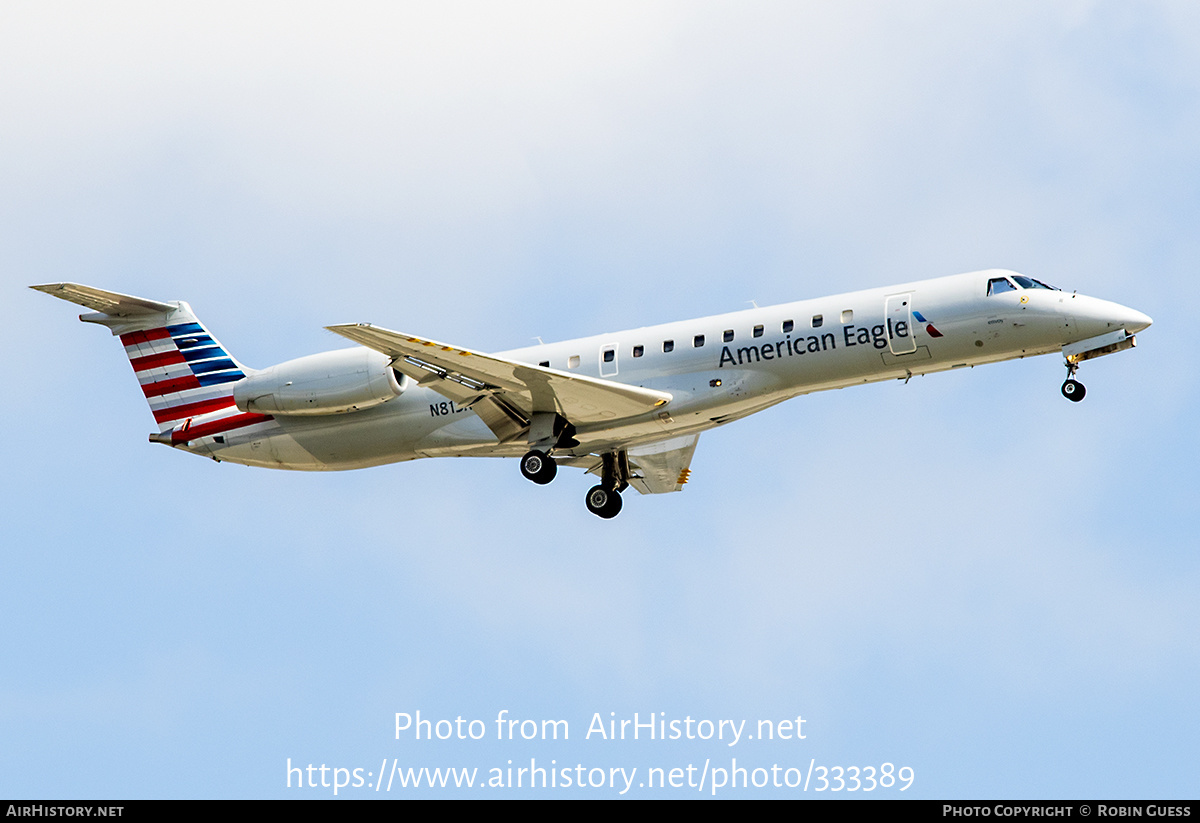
x=1101, y=316
x=1135, y=321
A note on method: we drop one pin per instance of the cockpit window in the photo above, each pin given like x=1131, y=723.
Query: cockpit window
x=999, y=285
x=1030, y=283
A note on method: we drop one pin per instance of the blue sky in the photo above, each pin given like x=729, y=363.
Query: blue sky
x=966, y=575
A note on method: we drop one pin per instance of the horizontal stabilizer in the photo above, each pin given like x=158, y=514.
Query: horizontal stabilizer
x=105, y=302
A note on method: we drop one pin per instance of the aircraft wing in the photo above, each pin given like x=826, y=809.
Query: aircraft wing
x=504, y=393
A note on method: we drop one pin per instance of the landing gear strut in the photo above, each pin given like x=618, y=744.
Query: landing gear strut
x=1072, y=389
x=538, y=467
x=605, y=500
x=547, y=431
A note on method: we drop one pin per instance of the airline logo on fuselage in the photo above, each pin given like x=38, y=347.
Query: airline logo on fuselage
x=928, y=326
x=876, y=336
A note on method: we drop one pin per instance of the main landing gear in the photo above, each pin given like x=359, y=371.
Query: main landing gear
x=603, y=500
x=1072, y=389
x=538, y=467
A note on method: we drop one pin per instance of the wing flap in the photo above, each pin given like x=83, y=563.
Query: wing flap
x=664, y=465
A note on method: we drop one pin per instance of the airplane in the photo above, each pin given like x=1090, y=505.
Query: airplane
x=627, y=406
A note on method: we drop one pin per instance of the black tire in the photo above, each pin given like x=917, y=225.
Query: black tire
x=1073, y=390
x=538, y=467
x=614, y=506
x=603, y=502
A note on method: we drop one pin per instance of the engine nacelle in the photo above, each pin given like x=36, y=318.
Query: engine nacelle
x=332, y=382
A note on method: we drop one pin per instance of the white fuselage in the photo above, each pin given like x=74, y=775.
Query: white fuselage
x=716, y=369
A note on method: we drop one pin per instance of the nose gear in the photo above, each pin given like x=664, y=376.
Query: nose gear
x=1072, y=389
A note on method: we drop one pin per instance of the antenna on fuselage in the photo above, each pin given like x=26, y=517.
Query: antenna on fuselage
x=753, y=303
x=539, y=339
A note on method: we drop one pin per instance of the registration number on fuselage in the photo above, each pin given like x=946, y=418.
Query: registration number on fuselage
x=444, y=408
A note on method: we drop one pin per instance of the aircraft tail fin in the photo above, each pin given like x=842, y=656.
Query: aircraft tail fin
x=182, y=369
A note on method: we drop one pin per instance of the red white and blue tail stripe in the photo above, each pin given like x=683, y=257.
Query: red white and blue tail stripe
x=183, y=372
x=185, y=375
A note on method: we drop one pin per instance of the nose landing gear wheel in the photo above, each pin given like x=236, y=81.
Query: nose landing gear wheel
x=538, y=467
x=603, y=502
x=1073, y=390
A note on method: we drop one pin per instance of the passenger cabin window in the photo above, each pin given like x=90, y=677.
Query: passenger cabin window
x=698, y=341
x=545, y=364
x=788, y=325
x=817, y=321
x=638, y=351
x=668, y=345
x=758, y=331
x=727, y=336
x=610, y=355
x=999, y=285
x=847, y=315
x=573, y=362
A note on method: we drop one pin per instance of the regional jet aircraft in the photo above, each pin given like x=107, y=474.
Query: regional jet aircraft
x=627, y=406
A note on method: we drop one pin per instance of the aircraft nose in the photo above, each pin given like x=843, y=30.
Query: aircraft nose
x=1134, y=321
x=1101, y=316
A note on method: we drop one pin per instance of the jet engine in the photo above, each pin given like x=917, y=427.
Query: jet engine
x=332, y=382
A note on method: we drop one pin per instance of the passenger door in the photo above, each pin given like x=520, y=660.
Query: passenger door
x=897, y=314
